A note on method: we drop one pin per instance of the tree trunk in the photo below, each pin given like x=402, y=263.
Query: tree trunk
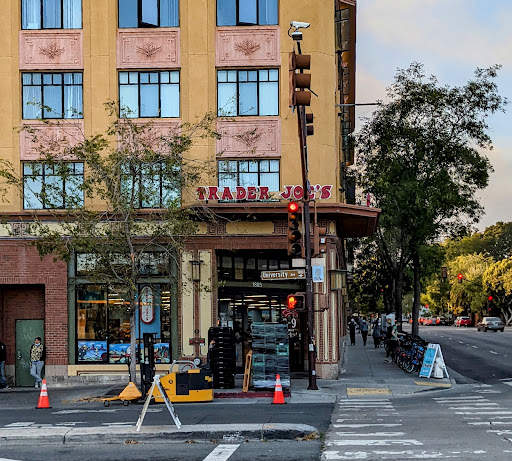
x=397, y=299
x=133, y=345
x=416, y=293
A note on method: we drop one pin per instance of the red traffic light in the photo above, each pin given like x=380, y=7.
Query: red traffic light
x=293, y=207
x=490, y=298
x=460, y=277
x=291, y=301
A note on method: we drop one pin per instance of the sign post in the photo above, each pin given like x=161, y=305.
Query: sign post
x=168, y=404
x=432, y=353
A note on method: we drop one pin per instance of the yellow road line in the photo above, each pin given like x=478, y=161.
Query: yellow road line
x=432, y=384
x=367, y=390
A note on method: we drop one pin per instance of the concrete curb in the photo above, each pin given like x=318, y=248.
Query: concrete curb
x=129, y=434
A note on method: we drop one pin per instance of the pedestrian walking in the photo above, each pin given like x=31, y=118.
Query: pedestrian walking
x=37, y=356
x=3, y=358
x=391, y=340
x=376, y=334
x=363, y=327
x=352, y=329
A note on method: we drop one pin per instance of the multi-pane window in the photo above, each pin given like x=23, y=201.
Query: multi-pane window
x=151, y=187
x=52, y=186
x=149, y=94
x=51, y=14
x=248, y=92
x=247, y=12
x=246, y=173
x=149, y=13
x=52, y=95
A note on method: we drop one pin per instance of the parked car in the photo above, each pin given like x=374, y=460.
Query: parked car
x=463, y=321
x=442, y=321
x=491, y=323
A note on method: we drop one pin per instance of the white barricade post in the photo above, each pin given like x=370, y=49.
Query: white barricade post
x=168, y=404
x=433, y=356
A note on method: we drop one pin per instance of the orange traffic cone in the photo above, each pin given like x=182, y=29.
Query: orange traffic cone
x=278, y=393
x=44, y=402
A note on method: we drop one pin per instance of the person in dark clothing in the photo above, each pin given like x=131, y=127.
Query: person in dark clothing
x=3, y=358
x=376, y=334
x=363, y=327
x=352, y=329
x=391, y=340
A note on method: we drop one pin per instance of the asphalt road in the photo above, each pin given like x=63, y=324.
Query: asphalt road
x=482, y=356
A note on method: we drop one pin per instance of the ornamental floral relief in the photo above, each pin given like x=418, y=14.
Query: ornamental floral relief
x=241, y=46
x=50, y=49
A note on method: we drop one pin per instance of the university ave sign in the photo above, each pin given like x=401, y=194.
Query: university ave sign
x=257, y=193
x=287, y=274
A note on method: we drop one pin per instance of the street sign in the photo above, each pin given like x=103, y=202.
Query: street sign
x=432, y=354
x=286, y=274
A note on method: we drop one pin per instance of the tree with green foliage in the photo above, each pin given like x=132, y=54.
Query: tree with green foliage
x=419, y=157
x=497, y=280
x=469, y=294
x=121, y=214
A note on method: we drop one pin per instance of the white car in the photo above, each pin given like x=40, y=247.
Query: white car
x=490, y=323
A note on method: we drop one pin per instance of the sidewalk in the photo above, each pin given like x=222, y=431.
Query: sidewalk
x=364, y=372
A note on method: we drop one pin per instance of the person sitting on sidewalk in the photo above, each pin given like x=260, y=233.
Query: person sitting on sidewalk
x=391, y=340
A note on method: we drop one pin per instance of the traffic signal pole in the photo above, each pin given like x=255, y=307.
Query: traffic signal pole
x=301, y=117
x=301, y=120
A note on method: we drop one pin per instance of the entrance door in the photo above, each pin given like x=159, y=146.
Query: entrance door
x=26, y=331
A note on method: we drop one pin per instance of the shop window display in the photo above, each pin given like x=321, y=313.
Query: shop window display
x=103, y=322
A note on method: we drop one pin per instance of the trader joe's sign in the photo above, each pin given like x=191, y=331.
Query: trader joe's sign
x=256, y=193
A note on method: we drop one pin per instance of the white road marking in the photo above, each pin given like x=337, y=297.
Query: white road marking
x=221, y=453
x=373, y=442
x=476, y=347
x=5, y=459
x=461, y=342
x=458, y=398
x=492, y=352
x=493, y=423
x=483, y=413
x=370, y=434
x=354, y=426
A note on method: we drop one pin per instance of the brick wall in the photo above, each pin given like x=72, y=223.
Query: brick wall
x=32, y=288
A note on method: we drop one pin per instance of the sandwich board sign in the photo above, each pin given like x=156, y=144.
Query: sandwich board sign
x=432, y=353
x=168, y=404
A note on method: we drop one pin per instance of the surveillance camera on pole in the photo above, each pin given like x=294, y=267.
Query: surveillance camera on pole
x=296, y=35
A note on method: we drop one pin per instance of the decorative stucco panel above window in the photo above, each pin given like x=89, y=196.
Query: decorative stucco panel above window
x=54, y=137
x=258, y=137
x=148, y=49
x=52, y=49
x=247, y=46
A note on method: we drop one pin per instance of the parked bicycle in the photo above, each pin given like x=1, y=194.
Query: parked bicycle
x=409, y=353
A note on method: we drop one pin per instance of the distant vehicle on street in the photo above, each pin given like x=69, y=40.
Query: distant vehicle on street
x=491, y=323
x=442, y=321
x=463, y=321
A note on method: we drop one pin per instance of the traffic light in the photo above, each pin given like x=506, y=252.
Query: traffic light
x=460, y=277
x=320, y=240
x=299, y=81
x=295, y=301
x=310, y=129
x=294, y=234
x=490, y=298
x=444, y=274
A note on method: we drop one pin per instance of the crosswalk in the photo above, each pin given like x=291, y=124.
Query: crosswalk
x=368, y=429
x=479, y=411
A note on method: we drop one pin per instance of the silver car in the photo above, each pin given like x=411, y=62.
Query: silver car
x=490, y=323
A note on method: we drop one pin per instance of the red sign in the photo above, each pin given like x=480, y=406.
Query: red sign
x=257, y=193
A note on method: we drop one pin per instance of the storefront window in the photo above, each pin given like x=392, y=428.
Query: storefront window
x=92, y=322
x=103, y=322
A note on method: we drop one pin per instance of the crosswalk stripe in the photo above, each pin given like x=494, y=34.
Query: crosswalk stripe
x=373, y=442
x=475, y=397
x=221, y=453
x=354, y=426
x=370, y=434
x=483, y=413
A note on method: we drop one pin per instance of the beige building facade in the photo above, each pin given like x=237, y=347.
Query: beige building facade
x=172, y=61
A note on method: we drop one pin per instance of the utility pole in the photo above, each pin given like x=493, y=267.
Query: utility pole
x=299, y=99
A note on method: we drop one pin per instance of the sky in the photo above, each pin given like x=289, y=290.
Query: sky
x=451, y=38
